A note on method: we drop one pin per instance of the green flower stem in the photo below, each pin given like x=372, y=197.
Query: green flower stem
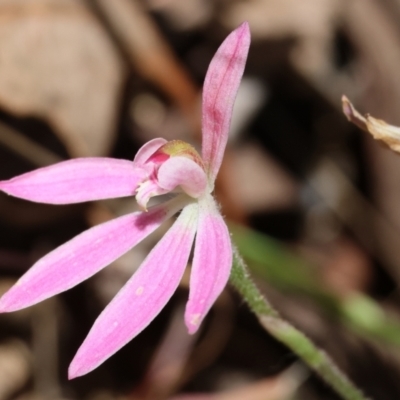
x=281, y=330
x=284, y=269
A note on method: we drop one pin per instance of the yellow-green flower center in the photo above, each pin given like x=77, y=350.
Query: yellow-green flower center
x=178, y=148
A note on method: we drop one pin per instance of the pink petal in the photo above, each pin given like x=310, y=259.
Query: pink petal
x=211, y=266
x=142, y=298
x=147, y=150
x=220, y=88
x=183, y=172
x=78, y=180
x=83, y=256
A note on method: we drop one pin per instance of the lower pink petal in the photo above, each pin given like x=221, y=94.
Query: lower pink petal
x=76, y=181
x=83, y=256
x=211, y=264
x=142, y=298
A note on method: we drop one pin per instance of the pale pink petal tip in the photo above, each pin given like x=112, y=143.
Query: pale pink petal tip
x=72, y=374
x=193, y=322
x=245, y=27
x=9, y=302
x=4, y=307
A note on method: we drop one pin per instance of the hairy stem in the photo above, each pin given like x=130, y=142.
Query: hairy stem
x=281, y=330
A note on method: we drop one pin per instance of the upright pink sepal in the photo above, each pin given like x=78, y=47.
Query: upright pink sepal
x=147, y=150
x=83, y=256
x=220, y=88
x=211, y=265
x=76, y=181
x=142, y=298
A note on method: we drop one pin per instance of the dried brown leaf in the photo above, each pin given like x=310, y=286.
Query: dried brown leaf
x=379, y=129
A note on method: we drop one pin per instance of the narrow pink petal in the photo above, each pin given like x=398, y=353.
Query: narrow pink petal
x=220, y=88
x=183, y=172
x=211, y=266
x=83, y=256
x=147, y=150
x=78, y=180
x=142, y=298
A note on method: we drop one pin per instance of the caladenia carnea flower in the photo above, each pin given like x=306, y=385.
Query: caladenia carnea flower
x=159, y=167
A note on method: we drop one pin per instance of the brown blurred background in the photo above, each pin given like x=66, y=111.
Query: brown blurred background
x=319, y=200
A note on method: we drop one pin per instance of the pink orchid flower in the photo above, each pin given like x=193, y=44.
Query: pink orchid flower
x=159, y=167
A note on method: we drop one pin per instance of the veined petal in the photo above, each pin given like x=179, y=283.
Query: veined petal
x=142, y=298
x=220, y=88
x=211, y=265
x=84, y=255
x=76, y=181
x=147, y=150
x=184, y=172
